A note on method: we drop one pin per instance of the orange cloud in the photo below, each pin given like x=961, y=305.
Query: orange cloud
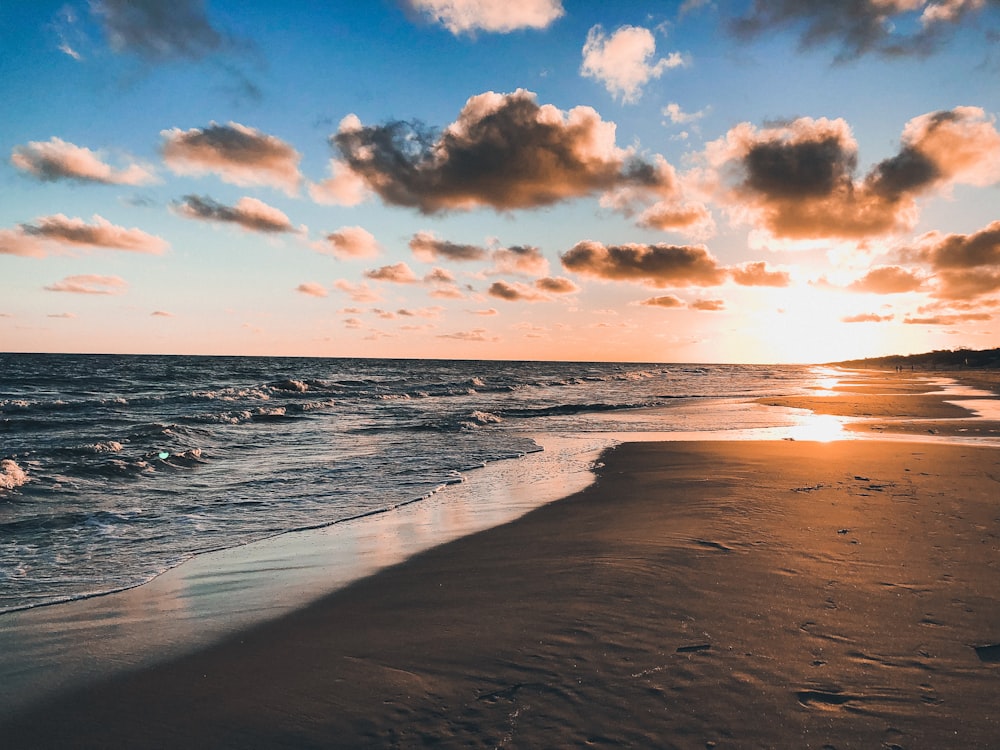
x=398, y=273
x=757, y=274
x=56, y=159
x=357, y=292
x=946, y=320
x=238, y=154
x=89, y=284
x=504, y=151
x=666, y=300
x=352, y=242
x=467, y=16
x=248, y=213
x=556, y=285
x=475, y=335
x=655, y=265
x=689, y=218
x=428, y=248
x=312, y=289
x=965, y=265
x=797, y=180
x=867, y=318
x=59, y=233
x=709, y=305
x=888, y=280
x=514, y=291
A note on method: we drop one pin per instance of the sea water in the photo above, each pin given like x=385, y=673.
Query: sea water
x=114, y=469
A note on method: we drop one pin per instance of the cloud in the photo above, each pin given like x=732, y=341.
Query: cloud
x=666, y=300
x=504, y=151
x=248, y=213
x=238, y=154
x=708, y=305
x=428, y=248
x=520, y=259
x=89, y=284
x=890, y=28
x=343, y=187
x=623, y=61
x=398, y=273
x=158, y=31
x=888, y=280
x=797, y=180
x=688, y=218
x=655, y=265
x=515, y=291
x=946, y=320
x=439, y=276
x=357, y=292
x=965, y=265
x=488, y=312
x=59, y=233
x=66, y=316
x=467, y=16
x=867, y=318
x=56, y=159
x=556, y=285
x=476, y=335
x=161, y=314
x=352, y=242
x=757, y=274
x=678, y=116
x=312, y=289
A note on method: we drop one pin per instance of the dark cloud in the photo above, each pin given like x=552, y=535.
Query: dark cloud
x=429, y=248
x=888, y=280
x=159, y=31
x=757, y=274
x=248, y=213
x=797, y=180
x=56, y=159
x=859, y=27
x=656, y=265
x=556, y=285
x=514, y=291
x=238, y=154
x=966, y=265
x=476, y=334
x=505, y=151
x=62, y=233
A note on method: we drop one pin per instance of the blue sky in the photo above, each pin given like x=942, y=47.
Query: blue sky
x=702, y=181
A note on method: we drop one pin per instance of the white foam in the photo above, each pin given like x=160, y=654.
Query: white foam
x=11, y=475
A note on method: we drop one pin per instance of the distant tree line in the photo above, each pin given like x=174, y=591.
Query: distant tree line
x=939, y=359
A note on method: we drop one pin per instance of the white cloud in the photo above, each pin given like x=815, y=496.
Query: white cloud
x=466, y=16
x=623, y=62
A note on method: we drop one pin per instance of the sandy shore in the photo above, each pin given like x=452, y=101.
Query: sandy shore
x=774, y=594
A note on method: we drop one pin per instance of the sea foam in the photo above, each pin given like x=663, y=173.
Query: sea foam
x=11, y=475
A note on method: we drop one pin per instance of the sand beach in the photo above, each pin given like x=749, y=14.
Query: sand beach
x=713, y=594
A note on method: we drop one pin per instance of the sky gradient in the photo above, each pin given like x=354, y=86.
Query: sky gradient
x=698, y=181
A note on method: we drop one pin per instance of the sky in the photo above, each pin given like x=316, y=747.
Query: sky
x=769, y=181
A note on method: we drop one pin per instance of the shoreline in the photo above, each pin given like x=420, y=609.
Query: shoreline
x=248, y=626
x=737, y=593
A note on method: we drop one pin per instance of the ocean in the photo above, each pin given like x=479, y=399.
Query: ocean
x=114, y=469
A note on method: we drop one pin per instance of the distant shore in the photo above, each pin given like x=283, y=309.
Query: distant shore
x=699, y=594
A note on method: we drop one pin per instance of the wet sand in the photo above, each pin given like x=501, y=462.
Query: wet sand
x=774, y=594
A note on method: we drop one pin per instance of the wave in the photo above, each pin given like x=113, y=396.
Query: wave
x=12, y=476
